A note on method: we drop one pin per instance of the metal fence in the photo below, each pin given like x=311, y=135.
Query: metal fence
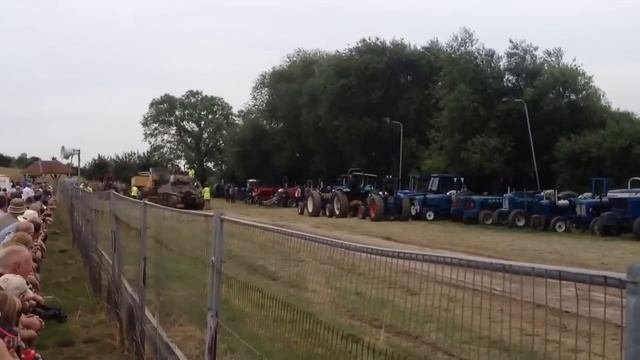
x=218, y=286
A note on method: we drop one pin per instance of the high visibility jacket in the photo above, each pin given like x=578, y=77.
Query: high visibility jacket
x=206, y=193
x=192, y=173
x=134, y=191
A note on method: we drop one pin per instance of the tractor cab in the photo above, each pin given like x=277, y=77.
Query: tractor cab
x=444, y=183
x=417, y=184
x=357, y=181
x=625, y=211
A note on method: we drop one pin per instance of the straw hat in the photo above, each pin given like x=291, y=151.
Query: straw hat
x=28, y=215
x=16, y=207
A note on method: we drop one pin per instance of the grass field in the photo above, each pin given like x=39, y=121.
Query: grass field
x=284, y=298
x=88, y=333
x=569, y=249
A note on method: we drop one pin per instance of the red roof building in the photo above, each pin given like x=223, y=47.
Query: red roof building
x=52, y=168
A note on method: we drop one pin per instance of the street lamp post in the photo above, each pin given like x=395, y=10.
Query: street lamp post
x=400, y=162
x=533, y=152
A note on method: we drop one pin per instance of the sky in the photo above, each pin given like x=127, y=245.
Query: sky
x=81, y=73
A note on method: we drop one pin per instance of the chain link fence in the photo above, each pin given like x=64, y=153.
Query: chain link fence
x=228, y=288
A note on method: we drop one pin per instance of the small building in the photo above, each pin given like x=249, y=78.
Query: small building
x=52, y=168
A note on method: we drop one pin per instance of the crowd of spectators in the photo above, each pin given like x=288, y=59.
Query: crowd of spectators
x=25, y=215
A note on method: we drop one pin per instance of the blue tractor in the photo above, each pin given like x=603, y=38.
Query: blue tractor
x=590, y=206
x=475, y=209
x=345, y=198
x=387, y=204
x=437, y=199
x=554, y=211
x=516, y=207
x=624, y=216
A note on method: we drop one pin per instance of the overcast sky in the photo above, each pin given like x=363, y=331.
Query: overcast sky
x=81, y=73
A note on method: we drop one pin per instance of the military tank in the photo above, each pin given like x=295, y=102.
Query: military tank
x=175, y=190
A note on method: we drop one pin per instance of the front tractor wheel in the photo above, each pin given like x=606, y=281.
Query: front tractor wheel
x=429, y=215
x=340, y=204
x=485, y=217
x=518, y=219
x=362, y=212
x=559, y=224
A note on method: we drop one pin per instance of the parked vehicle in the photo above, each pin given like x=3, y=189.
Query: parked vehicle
x=554, y=211
x=173, y=190
x=475, y=209
x=516, y=207
x=436, y=201
x=387, y=204
x=345, y=198
x=590, y=206
x=624, y=216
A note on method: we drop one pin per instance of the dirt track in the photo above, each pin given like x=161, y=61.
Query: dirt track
x=576, y=250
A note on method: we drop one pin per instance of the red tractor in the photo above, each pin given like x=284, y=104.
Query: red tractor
x=270, y=195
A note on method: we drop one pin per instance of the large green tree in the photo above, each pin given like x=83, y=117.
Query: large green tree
x=189, y=128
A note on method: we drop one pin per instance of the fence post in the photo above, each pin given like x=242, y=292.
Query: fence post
x=142, y=283
x=632, y=320
x=215, y=287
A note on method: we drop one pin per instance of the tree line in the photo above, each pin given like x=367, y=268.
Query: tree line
x=319, y=113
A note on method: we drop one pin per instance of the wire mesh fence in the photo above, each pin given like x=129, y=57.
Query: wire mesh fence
x=274, y=293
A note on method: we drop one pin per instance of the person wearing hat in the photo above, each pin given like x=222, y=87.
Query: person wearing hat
x=23, y=224
x=16, y=208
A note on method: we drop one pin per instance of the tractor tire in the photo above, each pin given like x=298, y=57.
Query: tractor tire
x=340, y=204
x=329, y=211
x=314, y=204
x=537, y=222
x=501, y=217
x=485, y=217
x=429, y=214
x=609, y=225
x=362, y=212
x=415, y=209
x=405, y=209
x=636, y=229
x=301, y=208
x=559, y=224
x=291, y=203
x=518, y=219
x=376, y=208
x=594, y=227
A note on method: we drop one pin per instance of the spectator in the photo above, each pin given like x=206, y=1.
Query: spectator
x=19, y=238
x=16, y=208
x=27, y=192
x=16, y=260
x=22, y=225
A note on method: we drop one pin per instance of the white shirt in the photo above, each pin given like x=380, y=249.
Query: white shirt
x=27, y=193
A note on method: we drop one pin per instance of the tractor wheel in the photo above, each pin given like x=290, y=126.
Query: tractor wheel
x=429, y=215
x=301, y=208
x=537, y=222
x=636, y=228
x=518, y=219
x=485, y=217
x=501, y=217
x=340, y=204
x=594, y=226
x=609, y=225
x=559, y=224
x=329, y=211
x=291, y=203
x=405, y=210
x=314, y=204
x=362, y=212
x=376, y=208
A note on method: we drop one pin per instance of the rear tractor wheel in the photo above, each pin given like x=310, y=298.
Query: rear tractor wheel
x=518, y=219
x=340, y=204
x=405, y=210
x=314, y=204
x=376, y=208
x=636, y=229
